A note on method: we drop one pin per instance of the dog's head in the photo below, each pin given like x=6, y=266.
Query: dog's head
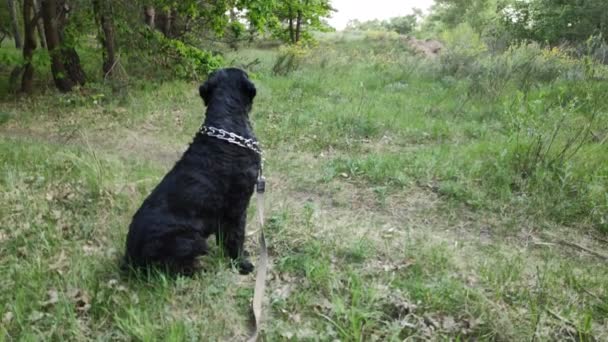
x=229, y=83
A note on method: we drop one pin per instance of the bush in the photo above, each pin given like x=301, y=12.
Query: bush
x=381, y=36
x=463, y=51
x=521, y=66
x=190, y=62
x=181, y=59
x=290, y=59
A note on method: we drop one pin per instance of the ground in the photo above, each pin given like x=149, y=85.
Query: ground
x=374, y=230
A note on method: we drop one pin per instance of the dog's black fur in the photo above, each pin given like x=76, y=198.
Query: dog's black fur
x=207, y=191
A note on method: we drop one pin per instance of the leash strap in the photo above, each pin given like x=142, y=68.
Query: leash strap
x=260, y=278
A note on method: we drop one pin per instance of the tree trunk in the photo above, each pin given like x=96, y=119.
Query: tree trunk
x=53, y=42
x=15, y=23
x=103, y=17
x=73, y=66
x=70, y=56
x=168, y=23
x=39, y=26
x=298, y=26
x=292, y=37
x=163, y=20
x=27, y=80
x=149, y=14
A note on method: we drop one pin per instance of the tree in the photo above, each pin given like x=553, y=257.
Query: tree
x=299, y=16
x=557, y=21
x=14, y=23
x=168, y=35
x=368, y=25
x=51, y=30
x=150, y=15
x=39, y=25
x=447, y=14
x=5, y=24
x=105, y=23
x=68, y=40
x=403, y=25
x=29, y=45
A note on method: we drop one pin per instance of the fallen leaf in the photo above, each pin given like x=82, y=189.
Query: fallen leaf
x=35, y=316
x=405, y=324
x=110, y=252
x=53, y=298
x=296, y=318
x=323, y=304
x=287, y=334
x=80, y=299
x=134, y=298
x=22, y=252
x=306, y=333
x=431, y=322
x=449, y=324
x=283, y=292
x=60, y=263
x=388, y=233
x=398, y=305
x=89, y=249
x=398, y=266
x=7, y=317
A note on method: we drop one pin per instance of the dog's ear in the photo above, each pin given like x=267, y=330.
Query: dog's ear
x=205, y=91
x=206, y=88
x=250, y=90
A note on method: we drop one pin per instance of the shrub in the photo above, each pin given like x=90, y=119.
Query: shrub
x=463, y=52
x=290, y=59
x=181, y=59
x=190, y=62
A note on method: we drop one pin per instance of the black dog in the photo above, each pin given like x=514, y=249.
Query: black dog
x=207, y=191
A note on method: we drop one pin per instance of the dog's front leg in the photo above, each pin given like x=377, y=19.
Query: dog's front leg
x=233, y=240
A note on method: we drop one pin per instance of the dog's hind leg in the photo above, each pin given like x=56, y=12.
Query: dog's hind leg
x=176, y=251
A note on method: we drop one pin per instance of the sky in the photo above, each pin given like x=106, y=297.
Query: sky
x=373, y=9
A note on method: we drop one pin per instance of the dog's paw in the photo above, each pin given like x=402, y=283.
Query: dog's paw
x=245, y=267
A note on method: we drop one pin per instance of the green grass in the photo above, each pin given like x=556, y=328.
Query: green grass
x=402, y=204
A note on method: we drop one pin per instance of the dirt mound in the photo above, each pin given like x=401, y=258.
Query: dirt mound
x=429, y=47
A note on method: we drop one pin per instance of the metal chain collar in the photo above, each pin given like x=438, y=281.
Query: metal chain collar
x=232, y=138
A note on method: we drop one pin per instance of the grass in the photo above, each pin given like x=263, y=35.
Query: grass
x=402, y=204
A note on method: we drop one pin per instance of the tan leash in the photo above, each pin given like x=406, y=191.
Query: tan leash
x=260, y=277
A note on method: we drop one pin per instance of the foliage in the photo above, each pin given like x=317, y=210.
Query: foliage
x=502, y=22
x=556, y=21
x=171, y=58
x=186, y=61
x=448, y=14
x=298, y=17
x=401, y=25
x=464, y=49
x=5, y=23
x=289, y=59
